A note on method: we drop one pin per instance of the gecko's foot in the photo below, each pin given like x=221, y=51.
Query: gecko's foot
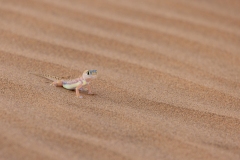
x=79, y=96
x=53, y=84
x=90, y=93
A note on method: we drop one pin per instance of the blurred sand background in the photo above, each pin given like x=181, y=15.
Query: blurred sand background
x=168, y=84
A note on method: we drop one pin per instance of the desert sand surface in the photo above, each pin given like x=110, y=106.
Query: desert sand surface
x=168, y=86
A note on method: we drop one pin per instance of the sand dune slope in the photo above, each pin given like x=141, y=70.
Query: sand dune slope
x=168, y=84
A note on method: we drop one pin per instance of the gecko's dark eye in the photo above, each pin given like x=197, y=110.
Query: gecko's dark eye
x=88, y=73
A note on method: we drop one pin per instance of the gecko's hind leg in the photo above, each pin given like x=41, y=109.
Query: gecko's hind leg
x=58, y=83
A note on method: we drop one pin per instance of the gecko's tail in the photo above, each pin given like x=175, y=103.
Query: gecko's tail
x=49, y=77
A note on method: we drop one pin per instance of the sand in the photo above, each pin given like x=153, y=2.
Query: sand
x=168, y=84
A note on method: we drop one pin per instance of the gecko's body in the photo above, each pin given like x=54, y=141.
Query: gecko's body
x=72, y=84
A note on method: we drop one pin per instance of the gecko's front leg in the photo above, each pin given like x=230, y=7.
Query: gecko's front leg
x=77, y=91
x=89, y=90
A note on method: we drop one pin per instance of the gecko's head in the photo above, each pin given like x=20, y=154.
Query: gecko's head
x=89, y=74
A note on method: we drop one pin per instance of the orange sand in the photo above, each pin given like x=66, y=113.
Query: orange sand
x=168, y=85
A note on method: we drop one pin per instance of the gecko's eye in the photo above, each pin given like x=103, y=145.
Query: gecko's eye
x=87, y=72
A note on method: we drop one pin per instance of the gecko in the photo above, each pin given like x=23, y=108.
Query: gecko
x=73, y=84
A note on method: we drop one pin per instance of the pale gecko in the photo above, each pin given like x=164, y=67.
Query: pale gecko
x=73, y=84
